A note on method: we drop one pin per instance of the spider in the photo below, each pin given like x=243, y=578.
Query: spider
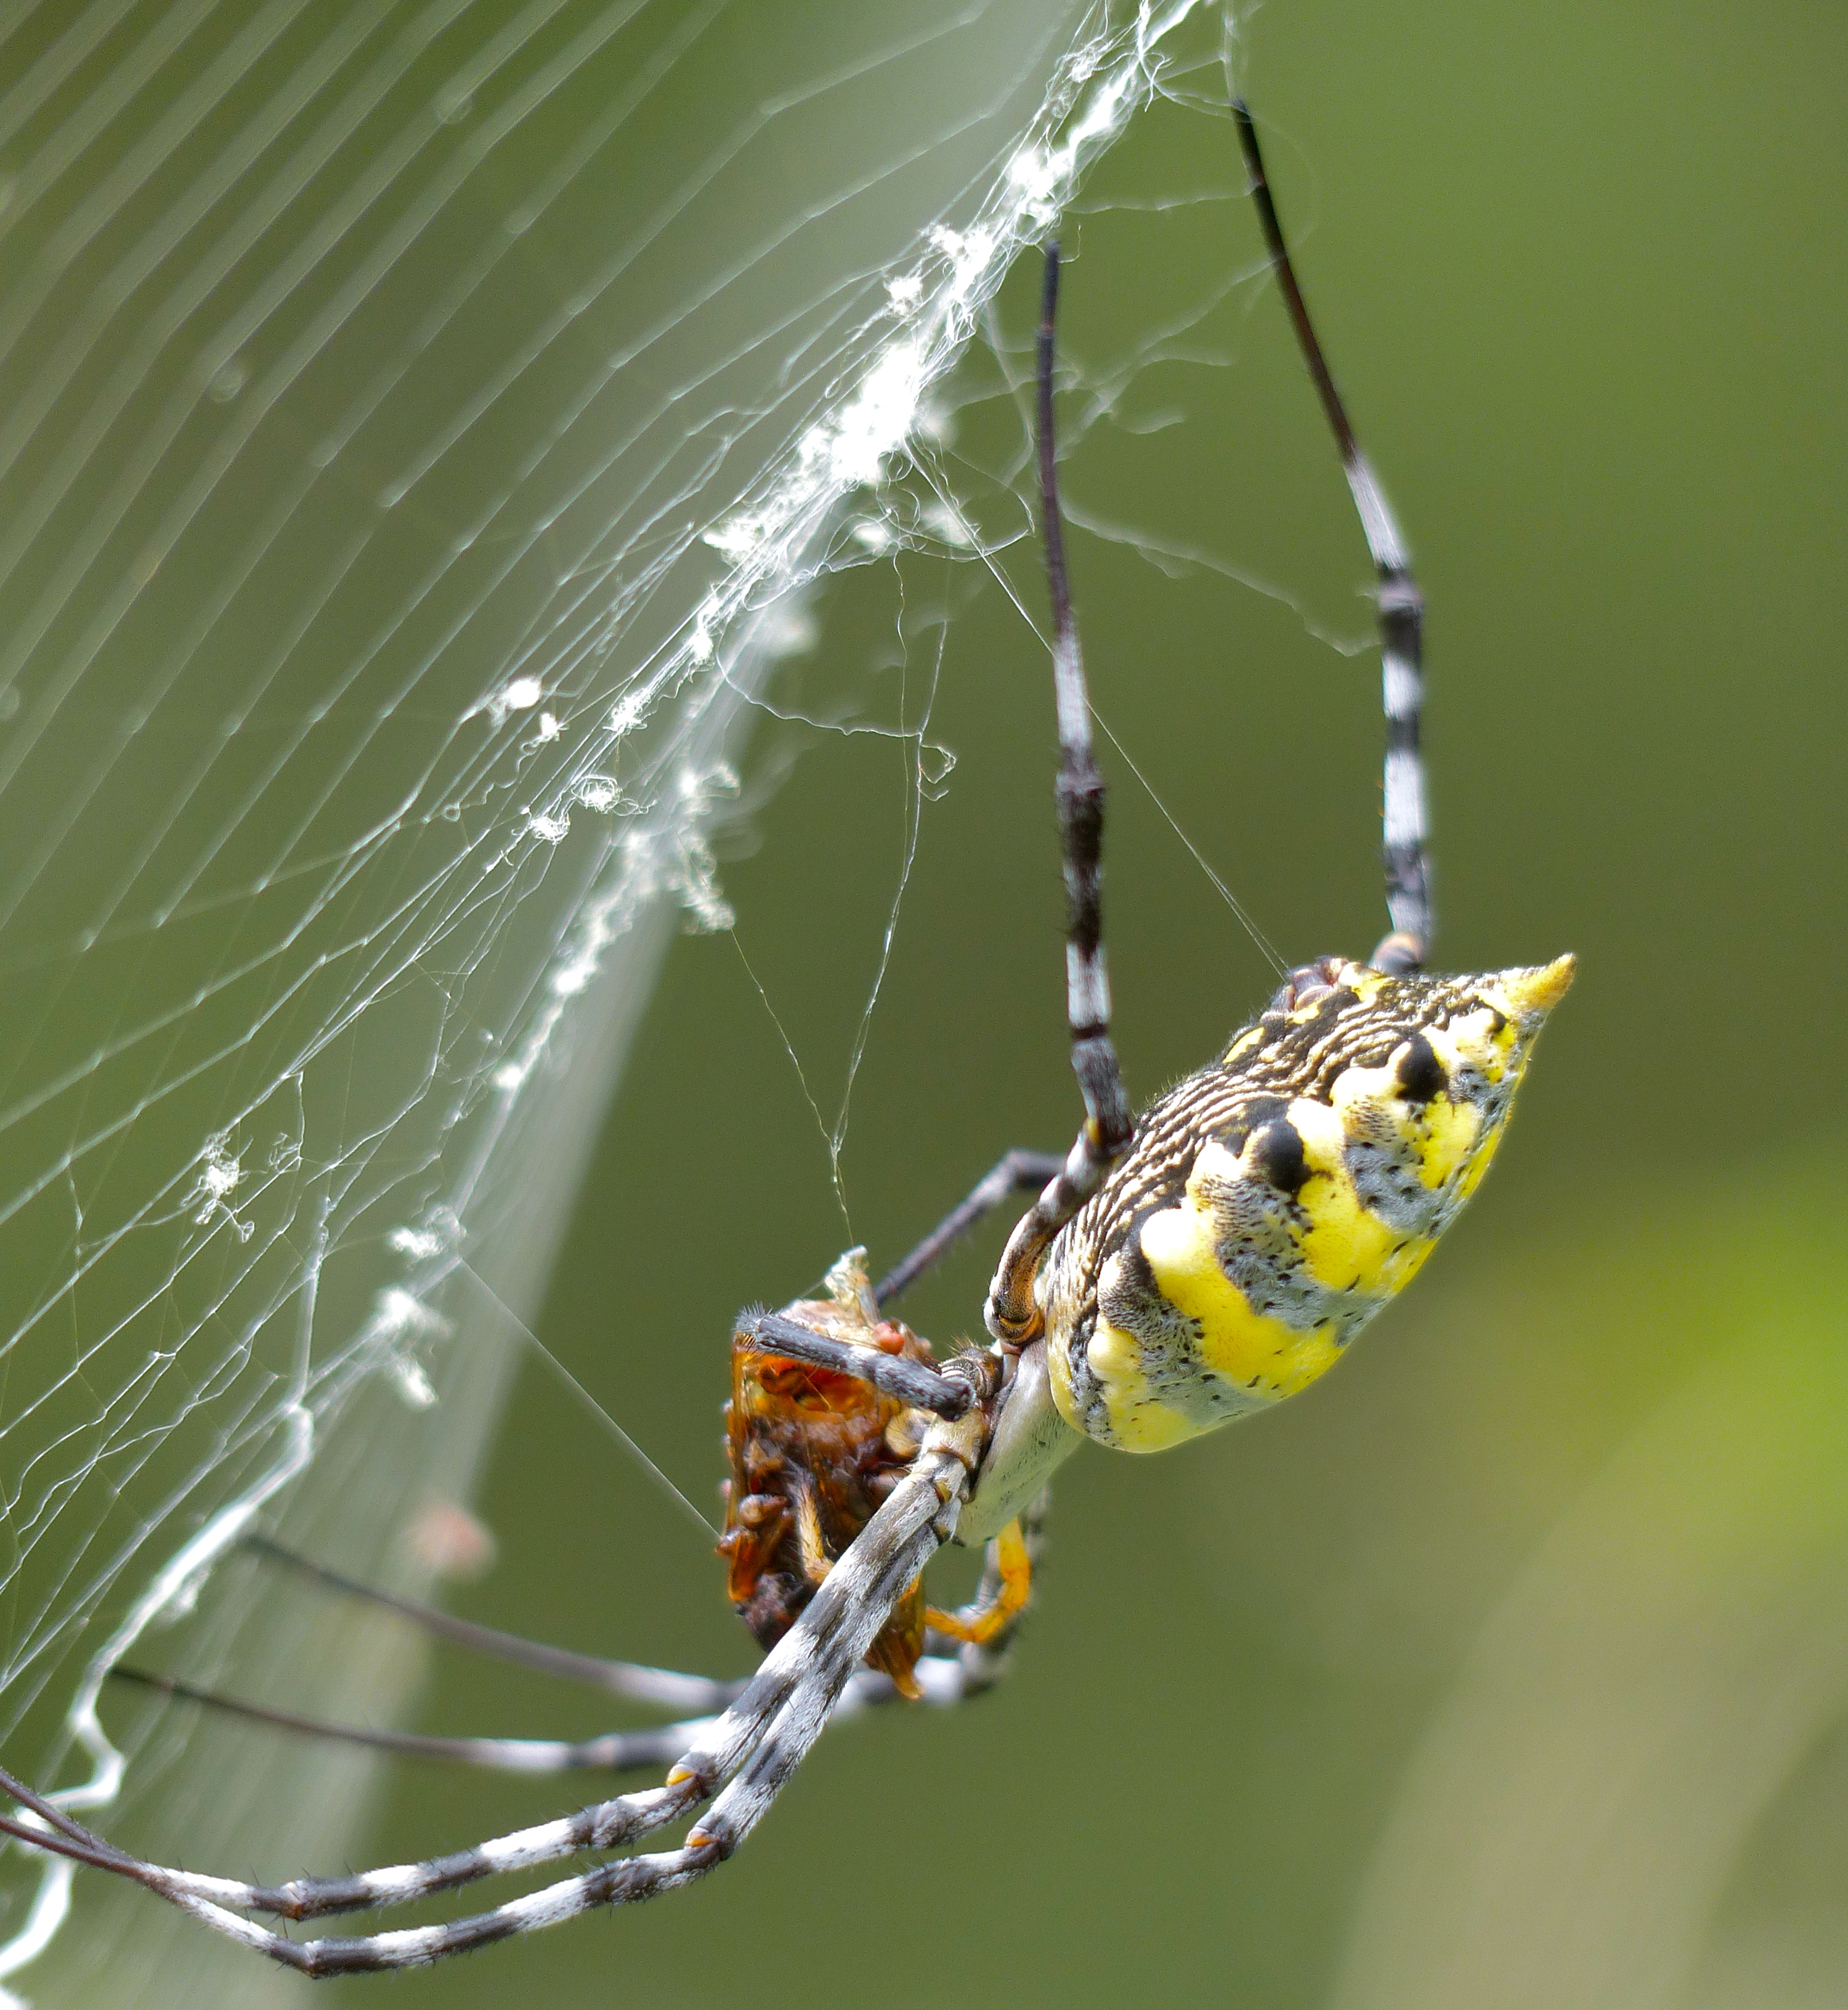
x=1174, y=1271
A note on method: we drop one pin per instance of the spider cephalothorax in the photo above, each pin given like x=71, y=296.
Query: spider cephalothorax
x=1273, y=1202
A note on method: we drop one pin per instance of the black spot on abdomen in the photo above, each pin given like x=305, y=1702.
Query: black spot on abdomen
x=1420, y=1073
x=1275, y=1155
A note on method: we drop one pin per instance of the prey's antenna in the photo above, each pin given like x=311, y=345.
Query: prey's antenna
x=1401, y=613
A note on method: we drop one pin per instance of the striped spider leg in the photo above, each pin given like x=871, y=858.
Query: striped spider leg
x=695, y=1698
x=1174, y=1272
x=735, y=1761
x=829, y=1403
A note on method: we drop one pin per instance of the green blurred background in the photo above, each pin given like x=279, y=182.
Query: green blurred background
x=1509, y=1666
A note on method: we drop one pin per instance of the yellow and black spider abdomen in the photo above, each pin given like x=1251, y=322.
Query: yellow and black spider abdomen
x=1273, y=1202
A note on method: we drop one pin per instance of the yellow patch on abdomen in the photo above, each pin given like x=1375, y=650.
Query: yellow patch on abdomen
x=1473, y=1173
x=1140, y=1421
x=1242, y=1346
x=1450, y=1132
x=1346, y=1246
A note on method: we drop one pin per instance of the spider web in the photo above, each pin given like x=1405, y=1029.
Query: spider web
x=421, y=424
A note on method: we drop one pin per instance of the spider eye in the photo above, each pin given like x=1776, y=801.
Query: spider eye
x=1420, y=1073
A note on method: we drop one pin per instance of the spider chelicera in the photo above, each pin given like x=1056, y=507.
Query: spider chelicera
x=1175, y=1271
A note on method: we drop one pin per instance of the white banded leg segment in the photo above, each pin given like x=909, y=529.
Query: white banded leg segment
x=1087, y=990
x=838, y=1625
x=1400, y=605
x=1010, y=1314
x=880, y=1564
x=606, y=1824
x=1405, y=823
x=634, y=1877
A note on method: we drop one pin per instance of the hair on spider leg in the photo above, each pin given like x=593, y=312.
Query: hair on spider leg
x=1177, y=1270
